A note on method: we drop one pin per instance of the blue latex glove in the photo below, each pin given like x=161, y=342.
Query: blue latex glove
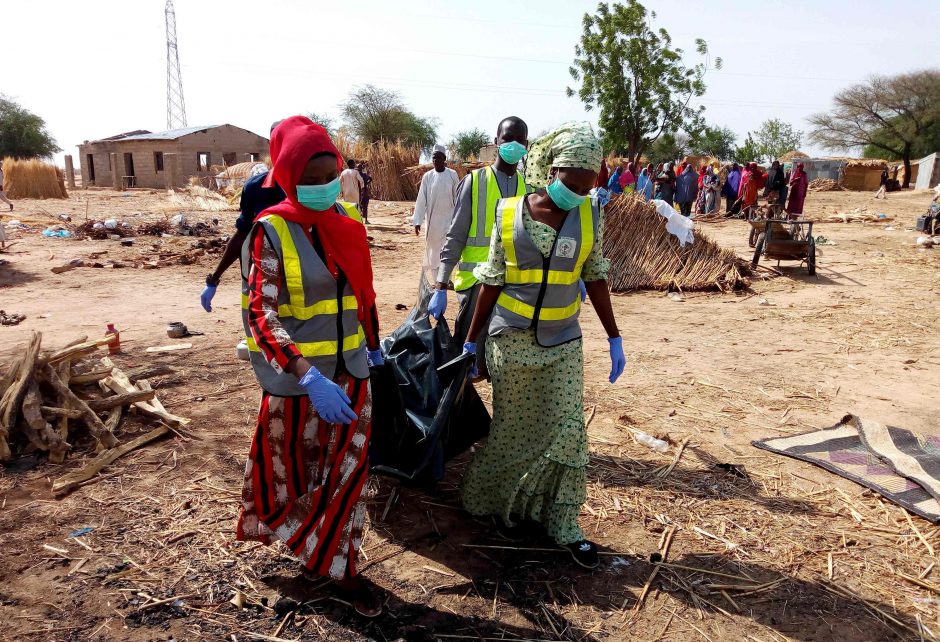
x=471, y=348
x=617, y=360
x=603, y=196
x=328, y=399
x=206, y=297
x=583, y=290
x=438, y=305
x=375, y=358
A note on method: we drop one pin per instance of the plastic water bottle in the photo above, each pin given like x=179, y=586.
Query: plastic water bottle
x=658, y=445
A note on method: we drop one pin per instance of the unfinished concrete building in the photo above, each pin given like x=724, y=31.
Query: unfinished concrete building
x=166, y=159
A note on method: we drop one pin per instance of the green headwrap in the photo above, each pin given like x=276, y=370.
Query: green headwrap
x=572, y=144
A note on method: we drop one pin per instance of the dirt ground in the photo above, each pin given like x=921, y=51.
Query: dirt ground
x=780, y=551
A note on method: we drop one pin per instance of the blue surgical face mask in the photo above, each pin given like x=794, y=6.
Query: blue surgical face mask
x=563, y=197
x=512, y=152
x=319, y=197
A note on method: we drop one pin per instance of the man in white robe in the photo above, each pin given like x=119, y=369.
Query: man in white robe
x=434, y=207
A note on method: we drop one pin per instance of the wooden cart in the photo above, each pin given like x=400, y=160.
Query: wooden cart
x=784, y=240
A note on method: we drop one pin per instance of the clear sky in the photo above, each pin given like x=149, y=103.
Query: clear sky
x=98, y=67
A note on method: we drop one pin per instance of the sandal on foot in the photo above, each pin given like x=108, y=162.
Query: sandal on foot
x=363, y=596
x=517, y=533
x=584, y=553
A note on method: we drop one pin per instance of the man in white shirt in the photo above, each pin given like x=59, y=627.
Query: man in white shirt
x=3, y=195
x=434, y=207
x=350, y=181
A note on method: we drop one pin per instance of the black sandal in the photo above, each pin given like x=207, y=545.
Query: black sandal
x=584, y=553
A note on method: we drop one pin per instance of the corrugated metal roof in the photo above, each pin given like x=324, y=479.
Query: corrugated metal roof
x=171, y=134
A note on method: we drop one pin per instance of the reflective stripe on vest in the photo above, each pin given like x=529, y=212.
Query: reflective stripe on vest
x=538, y=291
x=322, y=322
x=477, y=249
x=350, y=210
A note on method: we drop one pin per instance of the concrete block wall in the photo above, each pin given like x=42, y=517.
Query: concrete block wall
x=218, y=141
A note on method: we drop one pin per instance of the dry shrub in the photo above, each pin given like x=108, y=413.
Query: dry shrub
x=644, y=256
x=414, y=174
x=387, y=164
x=32, y=179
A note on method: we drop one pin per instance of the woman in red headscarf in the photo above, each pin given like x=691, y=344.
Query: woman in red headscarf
x=312, y=332
x=798, y=185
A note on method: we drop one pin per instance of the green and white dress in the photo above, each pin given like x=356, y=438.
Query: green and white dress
x=534, y=464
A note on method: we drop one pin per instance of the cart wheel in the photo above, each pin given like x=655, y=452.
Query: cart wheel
x=752, y=239
x=759, y=247
x=811, y=257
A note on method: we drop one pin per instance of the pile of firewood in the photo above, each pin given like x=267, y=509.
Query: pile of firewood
x=825, y=185
x=47, y=397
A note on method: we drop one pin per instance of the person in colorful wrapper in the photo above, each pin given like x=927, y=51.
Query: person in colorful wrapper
x=534, y=465
x=312, y=331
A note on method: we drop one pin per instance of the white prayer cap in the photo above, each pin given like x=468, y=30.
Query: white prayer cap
x=441, y=149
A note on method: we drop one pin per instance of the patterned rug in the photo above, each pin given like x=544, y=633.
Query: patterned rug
x=902, y=465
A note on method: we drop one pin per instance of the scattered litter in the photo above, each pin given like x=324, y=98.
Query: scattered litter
x=68, y=265
x=178, y=330
x=618, y=563
x=646, y=439
x=10, y=318
x=822, y=240
x=241, y=351
x=926, y=241
x=56, y=233
x=401, y=306
x=81, y=531
x=889, y=228
x=65, y=217
x=170, y=348
x=127, y=242
x=111, y=223
x=676, y=296
x=765, y=302
x=733, y=469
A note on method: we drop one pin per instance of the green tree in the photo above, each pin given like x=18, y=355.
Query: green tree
x=669, y=147
x=467, y=143
x=328, y=123
x=374, y=114
x=890, y=113
x=926, y=143
x=23, y=134
x=775, y=138
x=636, y=78
x=714, y=141
x=748, y=151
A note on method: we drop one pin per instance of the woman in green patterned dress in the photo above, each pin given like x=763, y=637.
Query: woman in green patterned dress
x=534, y=465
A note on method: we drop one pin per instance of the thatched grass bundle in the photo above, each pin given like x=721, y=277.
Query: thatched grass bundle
x=414, y=174
x=644, y=256
x=32, y=179
x=387, y=163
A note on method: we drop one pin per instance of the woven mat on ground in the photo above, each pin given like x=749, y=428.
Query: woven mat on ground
x=903, y=466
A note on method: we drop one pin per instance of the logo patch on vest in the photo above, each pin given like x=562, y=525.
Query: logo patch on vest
x=566, y=247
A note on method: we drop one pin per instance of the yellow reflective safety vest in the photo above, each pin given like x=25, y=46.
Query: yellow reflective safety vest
x=319, y=312
x=543, y=292
x=484, y=196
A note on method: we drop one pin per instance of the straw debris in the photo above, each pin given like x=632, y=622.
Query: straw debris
x=32, y=179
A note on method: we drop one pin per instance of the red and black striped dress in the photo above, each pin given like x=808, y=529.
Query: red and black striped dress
x=304, y=476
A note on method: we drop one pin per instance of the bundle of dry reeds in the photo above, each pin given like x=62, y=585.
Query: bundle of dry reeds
x=387, y=163
x=644, y=256
x=414, y=174
x=32, y=179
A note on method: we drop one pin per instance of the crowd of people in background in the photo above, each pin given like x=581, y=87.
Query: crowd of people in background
x=698, y=191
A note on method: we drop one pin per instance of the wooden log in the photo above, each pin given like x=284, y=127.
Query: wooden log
x=13, y=395
x=45, y=437
x=70, y=481
x=93, y=376
x=62, y=424
x=78, y=350
x=120, y=384
x=68, y=413
x=91, y=420
x=114, y=418
x=124, y=399
x=146, y=372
